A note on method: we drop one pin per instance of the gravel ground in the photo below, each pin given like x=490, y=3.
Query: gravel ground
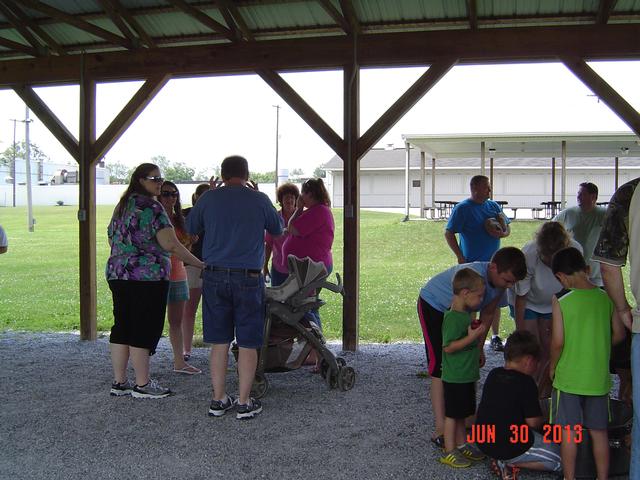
x=58, y=420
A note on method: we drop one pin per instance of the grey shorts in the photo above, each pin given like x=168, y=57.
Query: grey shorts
x=194, y=276
x=546, y=453
x=590, y=412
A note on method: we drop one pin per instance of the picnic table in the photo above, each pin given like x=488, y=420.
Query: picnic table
x=445, y=207
x=550, y=209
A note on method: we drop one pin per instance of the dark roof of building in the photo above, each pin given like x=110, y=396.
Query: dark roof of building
x=384, y=159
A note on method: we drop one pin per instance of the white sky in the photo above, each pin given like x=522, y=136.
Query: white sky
x=200, y=121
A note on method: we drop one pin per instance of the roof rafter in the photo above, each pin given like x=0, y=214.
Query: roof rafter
x=118, y=21
x=350, y=15
x=203, y=18
x=237, y=16
x=130, y=19
x=604, y=11
x=19, y=47
x=76, y=22
x=35, y=28
x=13, y=19
x=472, y=12
x=335, y=15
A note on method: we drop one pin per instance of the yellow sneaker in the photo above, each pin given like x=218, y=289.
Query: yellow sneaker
x=471, y=452
x=455, y=459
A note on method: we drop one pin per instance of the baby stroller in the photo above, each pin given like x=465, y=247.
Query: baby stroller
x=290, y=332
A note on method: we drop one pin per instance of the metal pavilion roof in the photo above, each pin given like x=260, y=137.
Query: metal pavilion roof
x=31, y=28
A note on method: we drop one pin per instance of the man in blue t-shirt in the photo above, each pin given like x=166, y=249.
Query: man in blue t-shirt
x=479, y=236
x=233, y=218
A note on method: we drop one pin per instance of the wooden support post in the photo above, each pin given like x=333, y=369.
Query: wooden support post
x=351, y=186
x=87, y=210
x=563, y=186
x=483, y=156
x=491, y=176
x=433, y=184
x=616, y=167
x=422, y=186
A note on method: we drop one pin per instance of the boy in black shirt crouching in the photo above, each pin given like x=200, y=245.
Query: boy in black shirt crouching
x=510, y=411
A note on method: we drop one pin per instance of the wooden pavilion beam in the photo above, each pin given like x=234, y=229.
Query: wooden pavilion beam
x=351, y=208
x=203, y=18
x=50, y=120
x=335, y=15
x=472, y=12
x=130, y=19
x=119, y=22
x=76, y=22
x=604, y=11
x=302, y=108
x=35, y=28
x=605, y=92
x=419, y=88
x=615, y=41
x=128, y=114
x=22, y=29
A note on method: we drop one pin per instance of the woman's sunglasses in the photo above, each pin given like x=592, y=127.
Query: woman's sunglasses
x=155, y=179
x=169, y=194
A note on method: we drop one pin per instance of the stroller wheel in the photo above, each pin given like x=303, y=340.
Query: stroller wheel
x=341, y=361
x=346, y=378
x=324, y=368
x=332, y=378
x=260, y=386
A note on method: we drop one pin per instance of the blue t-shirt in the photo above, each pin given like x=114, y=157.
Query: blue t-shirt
x=234, y=219
x=467, y=219
x=438, y=291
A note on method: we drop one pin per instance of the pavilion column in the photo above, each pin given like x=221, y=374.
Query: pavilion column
x=407, y=164
x=563, y=197
x=616, y=167
x=351, y=187
x=491, y=176
x=553, y=179
x=87, y=209
x=433, y=184
x=422, y=187
x=483, y=156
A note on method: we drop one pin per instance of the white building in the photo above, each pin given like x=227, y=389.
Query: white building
x=521, y=178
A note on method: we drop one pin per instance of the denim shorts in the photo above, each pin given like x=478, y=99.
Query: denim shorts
x=530, y=314
x=233, y=306
x=546, y=453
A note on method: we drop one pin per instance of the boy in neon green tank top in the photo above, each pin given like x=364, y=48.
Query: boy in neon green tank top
x=580, y=349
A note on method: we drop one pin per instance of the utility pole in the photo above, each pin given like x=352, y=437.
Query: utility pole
x=13, y=161
x=30, y=220
x=277, y=107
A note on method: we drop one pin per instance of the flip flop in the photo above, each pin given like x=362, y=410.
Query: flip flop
x=438, y=441
x=188, y=370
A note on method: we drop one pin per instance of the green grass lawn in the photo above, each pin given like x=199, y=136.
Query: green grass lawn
x=39, y=274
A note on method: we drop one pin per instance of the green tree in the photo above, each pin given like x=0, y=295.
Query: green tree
x=119, y=173
x=174, y=171
x=36, y=154
x=320, y=172
x=263, y=177
x=296, y=172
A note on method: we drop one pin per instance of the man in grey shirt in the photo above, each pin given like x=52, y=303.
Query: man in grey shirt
x=585, y=222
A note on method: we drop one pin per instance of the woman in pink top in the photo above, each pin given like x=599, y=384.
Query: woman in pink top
x=287, y=196
x=178, y=286
x=311, y=227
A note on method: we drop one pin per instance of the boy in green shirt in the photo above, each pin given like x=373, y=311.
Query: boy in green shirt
x=580, y=349
x=461, y=365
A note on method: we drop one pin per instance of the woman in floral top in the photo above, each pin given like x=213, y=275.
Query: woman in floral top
x=142, y=240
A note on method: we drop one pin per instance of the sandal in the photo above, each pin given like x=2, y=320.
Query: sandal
x=438, y=441
x=188, y=370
